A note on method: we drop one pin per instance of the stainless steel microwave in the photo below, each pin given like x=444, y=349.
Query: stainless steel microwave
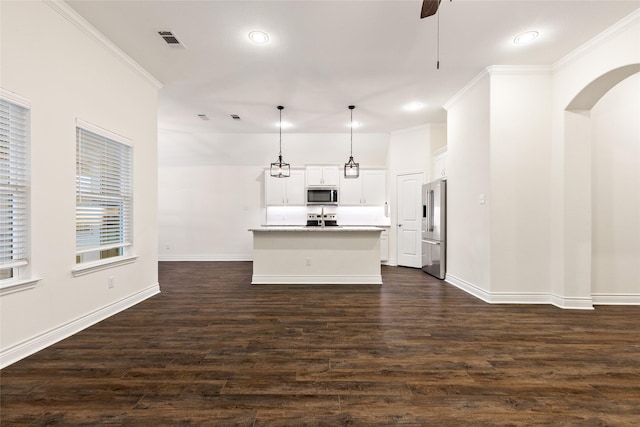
x=322, y=196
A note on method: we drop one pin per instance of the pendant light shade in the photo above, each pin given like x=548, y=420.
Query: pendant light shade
x=280, y=169
x=351, y=168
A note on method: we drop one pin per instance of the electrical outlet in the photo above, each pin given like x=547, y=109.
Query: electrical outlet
x=111, y=281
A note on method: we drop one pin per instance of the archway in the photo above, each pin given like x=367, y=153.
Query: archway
x=578, y=181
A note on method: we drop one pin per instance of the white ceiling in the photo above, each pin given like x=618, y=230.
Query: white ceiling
x=325, y=55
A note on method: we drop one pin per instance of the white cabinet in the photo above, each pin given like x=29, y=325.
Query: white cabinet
x=384, y=245
x=370, y=189
x=284, y=191
x=440, y=164
x=323, y=176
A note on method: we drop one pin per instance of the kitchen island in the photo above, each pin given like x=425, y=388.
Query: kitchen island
x=316, y=255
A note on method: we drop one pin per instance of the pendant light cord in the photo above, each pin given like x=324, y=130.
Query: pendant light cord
x=351, y=151
x=438, y=44
x=351, y=107
x=280, y=107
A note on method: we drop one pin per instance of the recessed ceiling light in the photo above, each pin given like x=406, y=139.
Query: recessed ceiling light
x=259, y=37
x=527, y=37
x=414, y=106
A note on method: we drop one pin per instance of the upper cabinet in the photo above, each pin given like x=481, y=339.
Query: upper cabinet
x=370, y=189
x=284, y=191
x=323, y=176
x=440, y=164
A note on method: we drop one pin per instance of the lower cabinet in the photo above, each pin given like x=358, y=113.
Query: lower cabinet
x=384, y=246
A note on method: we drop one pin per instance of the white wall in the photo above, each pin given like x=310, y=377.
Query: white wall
x=66, y=74
x=615, y=122
x=437, y=137
x=205, y=211
x=469, y=177
x=520, y=179
x=571, y=251
x=409, y=151
x=539, y=247
x=211, y=186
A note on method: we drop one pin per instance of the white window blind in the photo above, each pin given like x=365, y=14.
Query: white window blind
x=103, y=193
x=14, y=186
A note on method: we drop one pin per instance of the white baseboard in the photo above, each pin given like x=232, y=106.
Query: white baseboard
x=468, y=287
x=519, y=298
x=206, y=257
x=316, y=280
x=573, y=303
x=33, y=345
x=616, y=299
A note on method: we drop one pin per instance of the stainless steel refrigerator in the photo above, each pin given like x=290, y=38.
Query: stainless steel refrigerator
x=434, y=228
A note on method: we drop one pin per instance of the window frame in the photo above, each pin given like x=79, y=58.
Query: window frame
x=106, y=194
x=21, y=268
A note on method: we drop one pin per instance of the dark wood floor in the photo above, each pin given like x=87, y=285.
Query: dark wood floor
x=213, y=350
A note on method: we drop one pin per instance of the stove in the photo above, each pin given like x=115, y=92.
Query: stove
x=318, y=220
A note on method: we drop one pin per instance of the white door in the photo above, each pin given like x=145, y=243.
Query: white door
x=409, y=193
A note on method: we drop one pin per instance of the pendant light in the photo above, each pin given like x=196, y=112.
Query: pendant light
x=351, y=168
x=280, y=169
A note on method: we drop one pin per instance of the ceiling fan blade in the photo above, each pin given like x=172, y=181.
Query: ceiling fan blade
x=429, y=7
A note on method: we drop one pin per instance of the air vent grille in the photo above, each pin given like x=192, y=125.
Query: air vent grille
x=203, y=116
x=170, y=38
x=235, y=117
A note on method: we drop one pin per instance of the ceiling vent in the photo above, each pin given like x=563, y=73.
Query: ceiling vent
x=203, y=116
x=170, y=38
x=235, y=117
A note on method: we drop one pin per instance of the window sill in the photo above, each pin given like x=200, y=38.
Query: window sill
x=91, y=267
x=17, y=285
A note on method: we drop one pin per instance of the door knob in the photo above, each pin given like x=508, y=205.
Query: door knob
x=399, y=225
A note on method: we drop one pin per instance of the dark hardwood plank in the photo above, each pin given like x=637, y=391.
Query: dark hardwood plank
x=213, y=350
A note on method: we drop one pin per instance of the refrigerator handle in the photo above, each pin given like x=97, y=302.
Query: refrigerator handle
x=431, y=201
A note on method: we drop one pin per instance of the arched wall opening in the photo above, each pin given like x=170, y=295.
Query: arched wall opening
x=599, y=256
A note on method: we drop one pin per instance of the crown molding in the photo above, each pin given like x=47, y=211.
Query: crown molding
x=455, y=98
x=617, y=28
x=83, y=25
x=515, y=70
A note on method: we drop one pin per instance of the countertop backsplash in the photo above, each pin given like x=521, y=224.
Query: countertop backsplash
x=346, y=215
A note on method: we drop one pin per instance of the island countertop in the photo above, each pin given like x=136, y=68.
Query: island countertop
x=298, y=228
x=316, y=255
